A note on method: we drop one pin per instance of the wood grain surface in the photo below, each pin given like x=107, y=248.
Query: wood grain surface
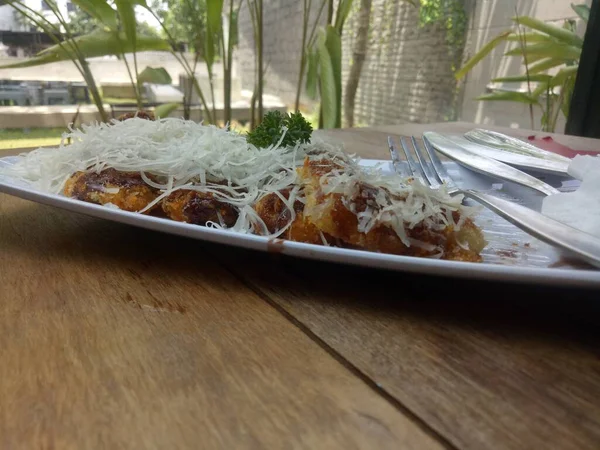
x=117, y=337
x=114, y=337
x=485, y=365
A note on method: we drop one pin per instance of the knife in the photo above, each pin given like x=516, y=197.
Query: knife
x=485, y=165
x=513, y=151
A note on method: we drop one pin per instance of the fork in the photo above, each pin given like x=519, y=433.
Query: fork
x=432, y=172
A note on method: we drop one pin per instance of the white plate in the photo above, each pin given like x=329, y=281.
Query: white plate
x=511, y=254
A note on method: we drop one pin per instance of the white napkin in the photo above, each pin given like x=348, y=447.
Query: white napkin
x=579, y=209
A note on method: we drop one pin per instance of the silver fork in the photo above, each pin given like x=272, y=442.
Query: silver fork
x=432, y=172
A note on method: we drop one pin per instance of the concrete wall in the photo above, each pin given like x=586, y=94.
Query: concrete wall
x=407, y=76
x=282, y=38
x=490, y=18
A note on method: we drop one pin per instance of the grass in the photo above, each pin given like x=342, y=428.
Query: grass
x=33, y=137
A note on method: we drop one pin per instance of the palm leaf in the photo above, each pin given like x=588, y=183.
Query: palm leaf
x=100, y=10
x=545, y=65
x=97, y=43
x=312, y=73
x=487, y=48
x=214, y=10
x=333, y=42
x=565, y=36
x=563, y=74
x=154, y=75
x=128, y=22
x=523, y=78
x=327, y=85
x=520, y=97
x=342, y=14
x=582, y=11
x=166, y=109
x=548, y=50
x=529, y=37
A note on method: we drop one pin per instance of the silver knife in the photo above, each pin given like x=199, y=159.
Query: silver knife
x=485, y=165
x=513, y=151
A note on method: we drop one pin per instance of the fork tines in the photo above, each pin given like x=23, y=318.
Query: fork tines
x=427, y=166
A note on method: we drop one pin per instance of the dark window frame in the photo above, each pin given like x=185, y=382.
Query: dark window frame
x=584, y=113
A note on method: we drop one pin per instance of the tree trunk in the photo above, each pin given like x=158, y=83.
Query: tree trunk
x=358, y=58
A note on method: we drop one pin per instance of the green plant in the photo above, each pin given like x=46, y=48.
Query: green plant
x=185, y=20
x=307, y=42
x=189, y=69
x=256, y=15
x=221, y=34
x=274, y=123
x=543, y=47
x=324, y=65
x=116, y=36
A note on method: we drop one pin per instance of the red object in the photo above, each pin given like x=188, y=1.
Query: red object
x=549, y=144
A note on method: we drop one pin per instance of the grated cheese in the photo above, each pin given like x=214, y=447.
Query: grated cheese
x=172, y=154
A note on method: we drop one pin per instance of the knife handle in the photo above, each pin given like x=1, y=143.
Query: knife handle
x=542, y=227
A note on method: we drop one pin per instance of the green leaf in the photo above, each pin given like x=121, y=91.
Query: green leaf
x=563, y=74
x=344, y=8
x=327, y=84
x=233, y=26
x=487, y=48
x=97, y=43
x=568, y=88
x=545, y=65
x=534, y=58
x=529, y=37
x=539, y=90
x=100, y=10
x=165, y=109
x=214, y=9
x=333, y=42
x=561, y=34
x=520, y=97
x=126, y=12
x=523, y=78
x=582, y=11
x=548, y=50
x=312, y=73
x=154, y=75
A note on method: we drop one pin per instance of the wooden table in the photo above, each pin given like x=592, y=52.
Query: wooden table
x=118, y=337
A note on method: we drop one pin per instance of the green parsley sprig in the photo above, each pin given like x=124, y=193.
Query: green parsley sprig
x=271, y=128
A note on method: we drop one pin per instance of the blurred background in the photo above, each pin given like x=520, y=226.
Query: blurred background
x=342, y=63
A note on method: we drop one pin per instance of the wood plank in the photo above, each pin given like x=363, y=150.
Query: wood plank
x=116, y=337
x=486, y=365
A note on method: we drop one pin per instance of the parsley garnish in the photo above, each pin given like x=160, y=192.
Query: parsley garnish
x=270, y=130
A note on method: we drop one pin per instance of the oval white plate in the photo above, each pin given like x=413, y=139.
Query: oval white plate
x=511, y=255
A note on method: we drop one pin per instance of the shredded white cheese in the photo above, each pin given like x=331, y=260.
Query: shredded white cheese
x=172, y=154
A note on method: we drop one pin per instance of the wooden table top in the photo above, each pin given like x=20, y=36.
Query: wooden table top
x=118, y=337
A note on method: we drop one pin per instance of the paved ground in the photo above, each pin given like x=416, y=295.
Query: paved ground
x=105, y=70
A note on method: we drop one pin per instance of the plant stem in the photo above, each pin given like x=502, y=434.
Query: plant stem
x=187, y=98
x=136, y=86
x=133, y=81
x=77, y=58
x=227, y=67
x=305, y=13
x=180, y=57
x=330, y=12
x=260, y=58
x=523, y=44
